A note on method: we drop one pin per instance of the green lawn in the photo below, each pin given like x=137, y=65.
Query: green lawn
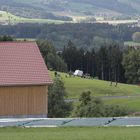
x=74, y=86
x=131, y=103
x=71, y=133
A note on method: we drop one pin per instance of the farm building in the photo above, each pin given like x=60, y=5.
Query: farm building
x=24, y=80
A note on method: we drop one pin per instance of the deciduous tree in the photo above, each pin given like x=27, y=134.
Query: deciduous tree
x=58, y=107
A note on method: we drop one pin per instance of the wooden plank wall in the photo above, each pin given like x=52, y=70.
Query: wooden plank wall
x=28, y=100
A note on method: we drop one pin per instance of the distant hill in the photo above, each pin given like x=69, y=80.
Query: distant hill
x=65, y=8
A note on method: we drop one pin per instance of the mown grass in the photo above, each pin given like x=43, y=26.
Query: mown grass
x=75, y=86
x=131, y=103
x=71, y=133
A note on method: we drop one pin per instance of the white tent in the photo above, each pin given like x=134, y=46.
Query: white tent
x=78, y=73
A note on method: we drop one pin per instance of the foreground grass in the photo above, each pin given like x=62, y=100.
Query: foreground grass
x=71, y=133
x=75, y=86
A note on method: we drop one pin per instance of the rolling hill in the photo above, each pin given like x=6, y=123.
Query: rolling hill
x=8, y=18
x=62, y=9
x=124, y=94
x=75, y=86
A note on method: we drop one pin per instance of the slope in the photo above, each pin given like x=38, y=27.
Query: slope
x=75, y=86
x=51, y=8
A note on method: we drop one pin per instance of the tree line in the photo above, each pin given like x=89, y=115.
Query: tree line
x=105, y=63
x=83, y=35
x=110, y=62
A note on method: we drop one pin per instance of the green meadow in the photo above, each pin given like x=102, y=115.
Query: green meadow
x=76, y=85
x=71, y=133
x=6, y=17
x=132, y=103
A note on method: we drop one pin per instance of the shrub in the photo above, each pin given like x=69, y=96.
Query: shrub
x=94, y=107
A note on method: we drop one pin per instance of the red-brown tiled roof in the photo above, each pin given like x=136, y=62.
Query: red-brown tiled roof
x=21, y=64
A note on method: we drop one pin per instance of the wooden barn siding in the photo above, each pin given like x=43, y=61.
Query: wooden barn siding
x=30, y=100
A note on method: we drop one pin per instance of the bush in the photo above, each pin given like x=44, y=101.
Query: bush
x=116, y=111
x=94, y=107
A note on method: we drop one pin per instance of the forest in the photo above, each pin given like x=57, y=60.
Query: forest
x=83, y=35
x=109, y=62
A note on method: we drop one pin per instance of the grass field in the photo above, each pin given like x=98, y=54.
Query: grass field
x=74, y=86
x=131, y=103
x=8, y=17
x=131, y=43
x=71, y=133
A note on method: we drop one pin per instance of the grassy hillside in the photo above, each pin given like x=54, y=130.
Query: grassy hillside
x=134, y=3
x=71, y=7
x=7, y=18
x=122, y=94
x=71, y=133
x=74, y=87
